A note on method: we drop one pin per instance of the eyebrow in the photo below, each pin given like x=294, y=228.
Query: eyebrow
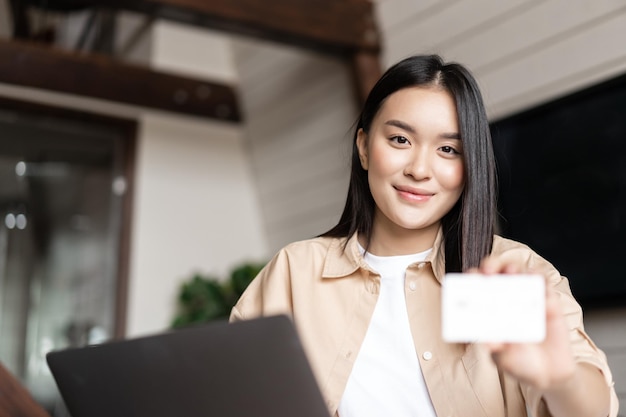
x=409, y=128
x=401, y=125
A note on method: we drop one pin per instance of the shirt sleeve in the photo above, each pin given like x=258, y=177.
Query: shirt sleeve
x=269, y=293
x=583, y=348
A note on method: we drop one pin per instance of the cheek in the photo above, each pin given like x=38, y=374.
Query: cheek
x=451, y=176
x=382, y=162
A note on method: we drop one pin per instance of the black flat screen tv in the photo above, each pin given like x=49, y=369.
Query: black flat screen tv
x=562, y=187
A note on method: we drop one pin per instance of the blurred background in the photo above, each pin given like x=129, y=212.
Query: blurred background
x=143, y=143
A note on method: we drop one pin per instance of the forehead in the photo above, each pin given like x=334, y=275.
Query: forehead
x=420, y=104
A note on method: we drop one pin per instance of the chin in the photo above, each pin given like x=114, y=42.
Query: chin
x=413, y=226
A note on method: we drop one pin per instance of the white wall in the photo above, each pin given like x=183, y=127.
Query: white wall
x=195, y=203
x=299, y=108
x=607, y=328
x=195, y=210
x=523, y=52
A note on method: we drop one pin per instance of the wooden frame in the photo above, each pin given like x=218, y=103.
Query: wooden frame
x=334, y=26
x=33, y=65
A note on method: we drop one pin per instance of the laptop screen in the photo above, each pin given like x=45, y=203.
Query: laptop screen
x=250, y=368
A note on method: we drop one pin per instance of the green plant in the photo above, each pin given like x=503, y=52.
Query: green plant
x=205, y=298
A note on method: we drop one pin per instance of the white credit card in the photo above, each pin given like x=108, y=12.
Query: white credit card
x=493, y=308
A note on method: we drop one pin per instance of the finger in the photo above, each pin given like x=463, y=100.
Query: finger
x=495, y=265
x=490, y=265
x=497, y=352
x=553, y=304
x=494, y=347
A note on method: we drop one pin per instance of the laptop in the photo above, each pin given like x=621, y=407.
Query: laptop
x=249, y=368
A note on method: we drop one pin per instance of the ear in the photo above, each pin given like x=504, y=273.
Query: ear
x=361, y=144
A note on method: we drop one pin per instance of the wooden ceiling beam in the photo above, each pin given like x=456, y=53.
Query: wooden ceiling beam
x=366, y=70
x=342, y=27
x=33, y=65
x=333, y=26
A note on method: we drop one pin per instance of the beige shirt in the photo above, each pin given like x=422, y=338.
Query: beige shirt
x=331, y=293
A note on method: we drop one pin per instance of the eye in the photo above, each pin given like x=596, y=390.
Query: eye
x=401, y=140
x=449, y=150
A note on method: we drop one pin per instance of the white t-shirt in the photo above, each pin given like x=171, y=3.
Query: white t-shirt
x=386, y=378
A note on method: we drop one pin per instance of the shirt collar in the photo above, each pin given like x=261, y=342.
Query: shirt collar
x=343, y=259
x=342, y=262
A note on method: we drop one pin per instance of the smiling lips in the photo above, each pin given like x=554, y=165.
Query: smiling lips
x=413, y=194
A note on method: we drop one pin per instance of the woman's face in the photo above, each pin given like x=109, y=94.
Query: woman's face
x=413, y=156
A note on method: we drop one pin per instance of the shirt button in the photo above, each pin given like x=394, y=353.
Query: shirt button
x=427, y=355
x=412, y=285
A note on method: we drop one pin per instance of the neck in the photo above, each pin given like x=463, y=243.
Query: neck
x=393, y=240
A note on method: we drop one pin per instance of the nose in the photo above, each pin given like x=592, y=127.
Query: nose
x=418, y=165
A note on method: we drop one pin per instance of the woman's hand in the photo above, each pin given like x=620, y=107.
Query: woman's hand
x=569, y=388
x=543, y=365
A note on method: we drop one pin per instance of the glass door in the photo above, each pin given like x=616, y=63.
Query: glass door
x=64, y=182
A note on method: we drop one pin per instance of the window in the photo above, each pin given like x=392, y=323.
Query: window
x=65, y=182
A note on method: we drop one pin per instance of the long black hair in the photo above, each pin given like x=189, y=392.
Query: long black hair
x=469, y=226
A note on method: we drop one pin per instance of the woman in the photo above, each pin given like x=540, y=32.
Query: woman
x=365, y=296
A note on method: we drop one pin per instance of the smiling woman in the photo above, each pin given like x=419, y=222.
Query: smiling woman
x=366, y=295
x=415, y=168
